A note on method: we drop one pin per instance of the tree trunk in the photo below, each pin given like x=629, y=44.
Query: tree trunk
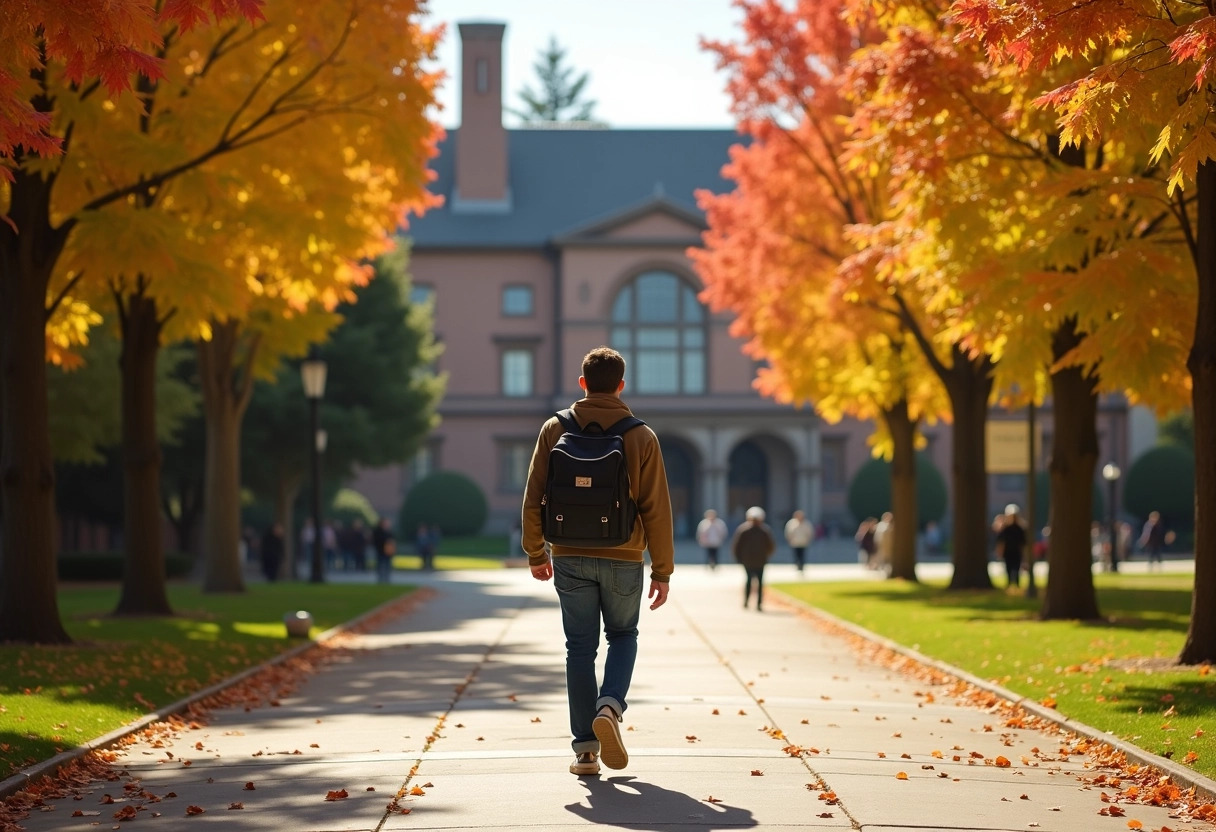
x=1074, y=456
x=1200, y=643
x=903, y=490
x=143, y=581
x=29, y=608
x=969, y=384
x=226, y=390
x=284, y=501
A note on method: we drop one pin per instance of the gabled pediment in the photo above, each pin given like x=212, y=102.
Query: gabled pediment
x=656, y=221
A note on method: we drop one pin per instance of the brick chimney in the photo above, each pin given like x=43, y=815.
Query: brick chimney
x=481, y=144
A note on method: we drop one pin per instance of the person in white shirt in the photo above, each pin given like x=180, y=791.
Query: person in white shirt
x=711, y=533
x=798, y=534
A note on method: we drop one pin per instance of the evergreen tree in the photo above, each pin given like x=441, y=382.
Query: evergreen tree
x=560, y=91
x=380, y=395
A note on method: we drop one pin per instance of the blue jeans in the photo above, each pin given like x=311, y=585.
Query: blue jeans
x=587, y=589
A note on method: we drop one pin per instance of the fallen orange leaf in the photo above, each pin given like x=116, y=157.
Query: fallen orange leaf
x=249, y=786
x=236, y=805
x=336, y=794
x=194, y=810
x=903, y=775
x=757, y=773
x=1134, y=824
x=712, y=799
x=1001, y=762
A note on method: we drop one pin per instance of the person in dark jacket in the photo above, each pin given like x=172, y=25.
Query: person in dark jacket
x=272, y=551
x=752, y=547
x=385, y=546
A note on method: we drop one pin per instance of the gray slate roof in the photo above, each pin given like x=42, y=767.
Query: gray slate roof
x=562, y=180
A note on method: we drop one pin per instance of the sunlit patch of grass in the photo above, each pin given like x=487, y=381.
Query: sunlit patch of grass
x=54, y=698
x=1115, y=674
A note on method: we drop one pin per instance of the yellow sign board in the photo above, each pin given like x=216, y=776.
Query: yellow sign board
x=1008, y=447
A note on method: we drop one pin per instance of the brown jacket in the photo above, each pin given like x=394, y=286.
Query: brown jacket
x=752, y=544
x=647, y=485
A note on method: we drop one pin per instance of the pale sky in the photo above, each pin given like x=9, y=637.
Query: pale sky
x=646, y=67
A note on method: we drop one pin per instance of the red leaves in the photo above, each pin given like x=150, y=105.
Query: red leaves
x=336, y=794
x=195, y=810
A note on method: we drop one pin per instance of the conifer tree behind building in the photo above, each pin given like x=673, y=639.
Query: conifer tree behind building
x=560, y=94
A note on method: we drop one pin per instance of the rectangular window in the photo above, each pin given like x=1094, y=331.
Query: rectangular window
x=517, y=301
x=482, y=72
x=513, y=461
x=694, y=373
x=832, y=456
x=517, y=372
x=658, y=371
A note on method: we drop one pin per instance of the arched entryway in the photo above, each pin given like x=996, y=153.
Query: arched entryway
x=680, y=460
x=747, y=480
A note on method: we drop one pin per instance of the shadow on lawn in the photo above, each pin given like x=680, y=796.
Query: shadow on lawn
x=1135, y=608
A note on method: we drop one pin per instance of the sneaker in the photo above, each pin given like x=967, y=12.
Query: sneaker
x=585, y=763
x=608, y=732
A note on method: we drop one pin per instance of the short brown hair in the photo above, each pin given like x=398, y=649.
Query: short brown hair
x=603, y=369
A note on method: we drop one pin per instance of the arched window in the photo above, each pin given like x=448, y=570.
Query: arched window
x=659, y=326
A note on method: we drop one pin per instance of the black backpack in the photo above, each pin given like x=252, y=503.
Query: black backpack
x=587, y=501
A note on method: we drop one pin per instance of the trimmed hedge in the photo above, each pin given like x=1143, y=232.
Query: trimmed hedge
x=870, y=491
x=1162, y=479
x=110, y=566
x=447, y=499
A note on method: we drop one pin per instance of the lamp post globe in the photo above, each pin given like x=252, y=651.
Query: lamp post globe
x=313, y=371
x=1111, y=473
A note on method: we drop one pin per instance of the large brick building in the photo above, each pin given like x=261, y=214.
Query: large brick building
x=555, y=240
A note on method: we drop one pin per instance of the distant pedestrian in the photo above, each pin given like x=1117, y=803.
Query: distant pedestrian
x=1011, y=541
x=933, y=538
x=752, y=547
x=1154, y=537
x=866, y=547
x=385, y=546
x=884, y=541
x=798, y=534
x=272, y=551
x=426, y=540
x=329, y=542
x=353, y=541
x=711, y=534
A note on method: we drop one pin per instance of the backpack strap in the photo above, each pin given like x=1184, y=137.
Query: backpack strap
x=624, y=425
x=569, y=423
x=618, y=428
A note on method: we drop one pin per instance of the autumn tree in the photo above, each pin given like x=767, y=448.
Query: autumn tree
x=50, y=49
x=340, y=80
x=1150, y=64
x=560, y=93
x=1045, y=254
x=777, y=240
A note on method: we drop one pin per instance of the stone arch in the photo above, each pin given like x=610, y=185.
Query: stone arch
x=761, y=470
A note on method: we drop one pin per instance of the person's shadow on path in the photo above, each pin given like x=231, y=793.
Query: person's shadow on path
x=629, y=803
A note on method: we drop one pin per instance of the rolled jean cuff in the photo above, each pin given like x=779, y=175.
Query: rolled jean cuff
x=611, y=702
x=586, y=745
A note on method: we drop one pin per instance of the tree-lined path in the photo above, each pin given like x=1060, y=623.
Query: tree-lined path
x=737, y=720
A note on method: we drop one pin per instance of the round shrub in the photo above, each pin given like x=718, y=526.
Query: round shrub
x=870, y=491
x=1162, y=479
x=350, y=505
x=447, y=499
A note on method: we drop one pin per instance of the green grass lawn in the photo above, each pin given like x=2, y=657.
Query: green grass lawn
x=1101, y=673
x=54, y=698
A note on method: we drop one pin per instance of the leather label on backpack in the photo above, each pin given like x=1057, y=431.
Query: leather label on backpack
x=582, y=482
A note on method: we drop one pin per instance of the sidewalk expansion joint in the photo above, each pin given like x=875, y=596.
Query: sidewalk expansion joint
x=819, y=784
x=394, y=806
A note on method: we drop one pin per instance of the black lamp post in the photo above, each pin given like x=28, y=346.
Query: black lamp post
x=1111, y=473
x=312, y=373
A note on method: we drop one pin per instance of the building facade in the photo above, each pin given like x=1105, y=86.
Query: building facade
x=552, y=241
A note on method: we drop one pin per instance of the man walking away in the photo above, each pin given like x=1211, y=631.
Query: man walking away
x=798, y=534
x=752, y=546
x=594, y=582
x=711, y=534
x=1011, y=540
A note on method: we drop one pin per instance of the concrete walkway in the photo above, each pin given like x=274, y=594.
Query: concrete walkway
x=461, y=704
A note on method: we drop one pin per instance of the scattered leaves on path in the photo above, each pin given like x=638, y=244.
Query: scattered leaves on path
x=336, y=794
